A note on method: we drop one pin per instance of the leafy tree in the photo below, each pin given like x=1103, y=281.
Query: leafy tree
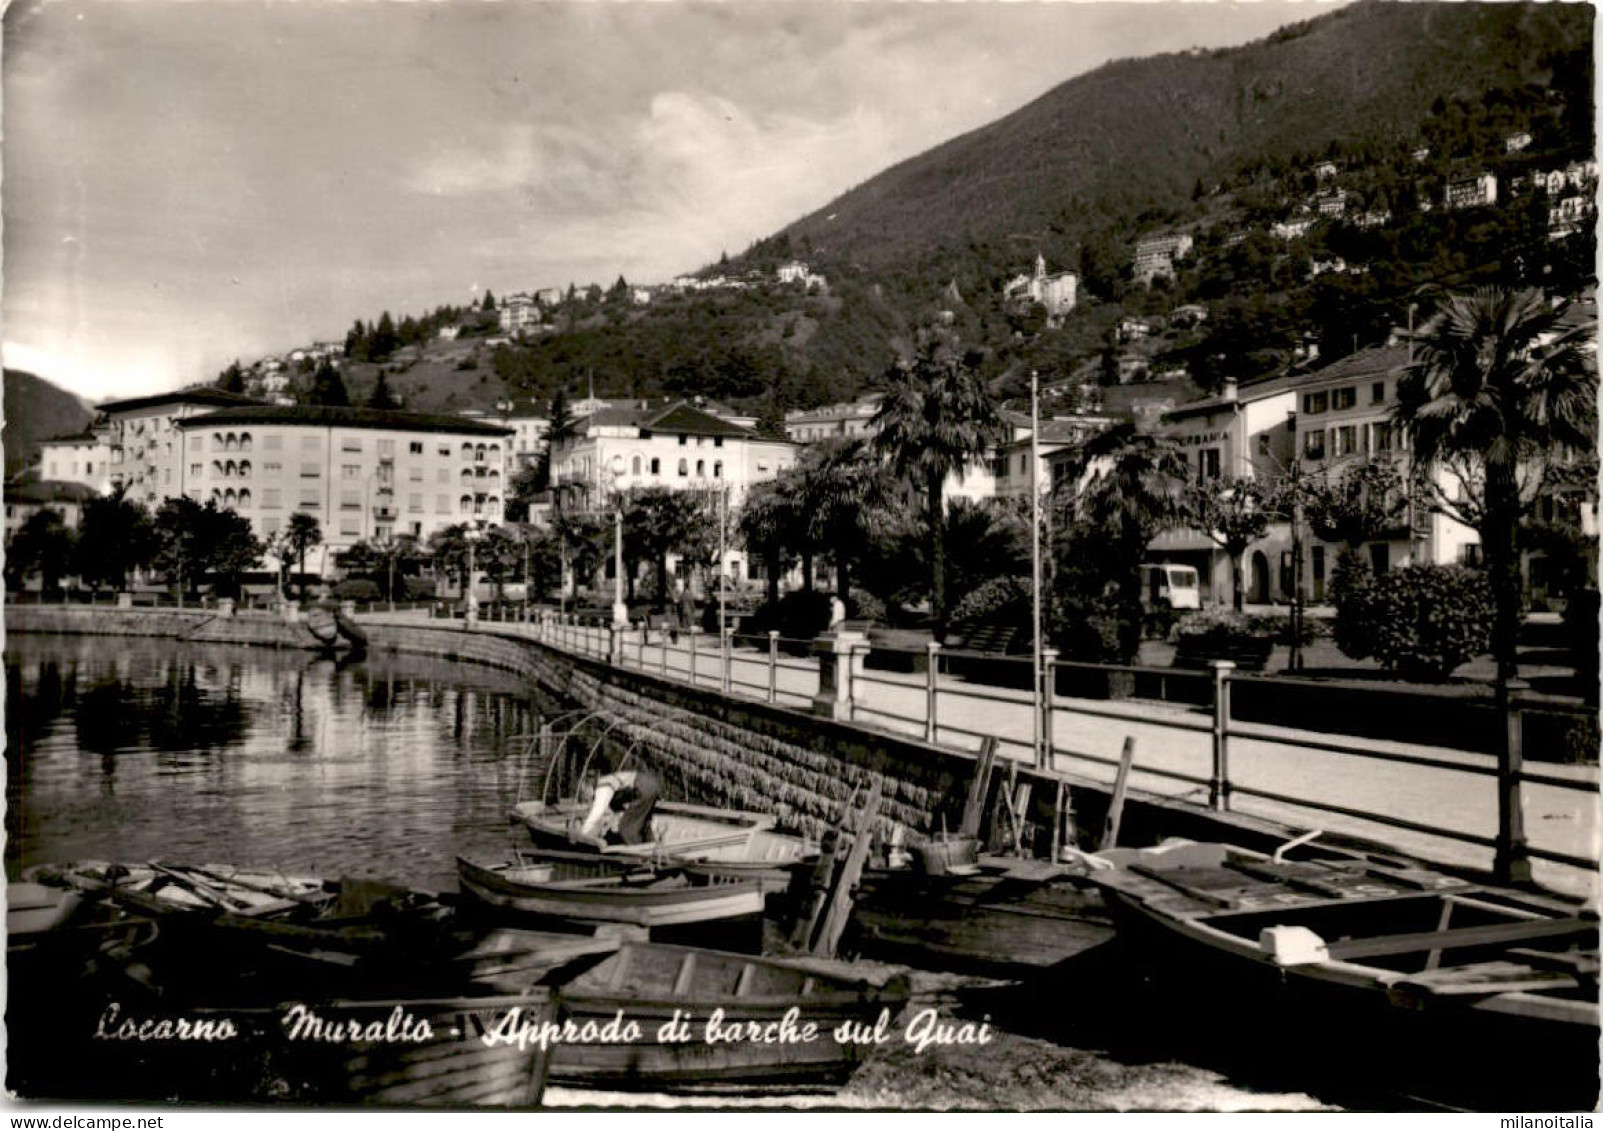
x=1234, y=513
x=656, y=522
x=300, y=534
x=1121, y=490
x=232, y=379
x=42, y=545
x=935, y=420
x=843, y=493
x=195, y=540
x=770, y=527
x=328, y=387
x=384, y=341
x=381, y=396
x=1499, y=395
x=114, y=538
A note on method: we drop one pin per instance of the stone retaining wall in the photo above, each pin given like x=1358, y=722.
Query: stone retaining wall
x=204, y=626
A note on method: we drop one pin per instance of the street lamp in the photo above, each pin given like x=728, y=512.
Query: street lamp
x=620, y=610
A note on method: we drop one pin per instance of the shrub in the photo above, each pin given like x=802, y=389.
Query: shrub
x=1002, y=600
x=802, y=615
x=356, y=589
x=1421, y=621
x=1222, y=624
x=415, y=589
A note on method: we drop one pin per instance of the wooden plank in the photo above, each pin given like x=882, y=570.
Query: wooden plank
x=1434, y=958
x=839, y=907
x=743, y=983
x=1482, y=978
x=1581, y=963
x=1121, y=783
x=1489, y=935
x=978, y=788
x=687, y=972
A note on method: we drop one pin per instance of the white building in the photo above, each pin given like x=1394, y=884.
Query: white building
x=1058, y=293
x=518, y=312
x=1156, y=256
x=832, y=422
x=25, y=498
x=84, y=459
x=527, y=423
x=1471, y=192
x=144, y=442
x=362, y=473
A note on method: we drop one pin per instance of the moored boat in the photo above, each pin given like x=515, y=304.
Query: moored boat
x=1381, y=957
x=583, y=889
x=745, y=1000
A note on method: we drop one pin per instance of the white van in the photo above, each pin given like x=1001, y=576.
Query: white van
x=1176, y=586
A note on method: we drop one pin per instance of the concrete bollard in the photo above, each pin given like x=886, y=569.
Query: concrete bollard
x=835, y=670
x=225, y=606
x=932, y=675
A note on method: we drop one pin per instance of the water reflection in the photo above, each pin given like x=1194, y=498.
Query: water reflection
x=139, y=749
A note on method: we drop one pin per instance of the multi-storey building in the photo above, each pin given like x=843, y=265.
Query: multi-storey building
x=1155, y=256
x=144, y=441
x=832, y=422
x=528, y=424
x=1010, y=462
x=518, y=312
x=1471, y=192
x=1242, y=432
x=84, y=458
x=362, y=473
x=1057, y=293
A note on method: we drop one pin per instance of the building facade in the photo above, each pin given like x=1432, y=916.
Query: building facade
x=833, y=422
x=362, y=473
x=1156, y=256
x=145, y=443
x=84, y=459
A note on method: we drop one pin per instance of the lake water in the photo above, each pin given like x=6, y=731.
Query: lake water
x=135, y=749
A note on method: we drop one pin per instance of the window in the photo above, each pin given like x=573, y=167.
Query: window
x=272, y=499
x=414, y=475
x=311, y=442
x=465, y=504
x=350, y=501
x=386, y=448
x=1263, y=444
x=350, y=527
x=1315, y=403
x=998, y=466
x=272, y=467
x=199, y=443
x=311, y=470
x=350, y=471
x=701, y=469
x=244, y=441
x=718, y=469
x=270, y=524
x=1313, y=445
x=195, y=469
x=1346, y=440
x=762, y=465
x=445, y=451
x=1377, y=392
x=634, y=466
x=272, y=442
x=414, y=502
x=244, y=497
x=310, y=501
x=167, y=475
x=244, y=467
x=684, y=468
x=1343, y=398
x=1208, y=463
x=467, y=451
x=415, y=447
x=682, y=439
x=656, y=466
x=442, y=504
x=442, y=475
x=717, y=441
x=351, y=444
x=1381, y=441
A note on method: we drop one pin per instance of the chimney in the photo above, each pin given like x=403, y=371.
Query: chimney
x=1231, y=389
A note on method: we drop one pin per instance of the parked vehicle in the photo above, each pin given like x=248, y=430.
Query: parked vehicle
x=1164, y=584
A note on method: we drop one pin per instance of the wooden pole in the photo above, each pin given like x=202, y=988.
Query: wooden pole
x=1110, y=830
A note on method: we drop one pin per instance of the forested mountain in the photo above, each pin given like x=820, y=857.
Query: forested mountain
x=36, y=410
x=1400, y=99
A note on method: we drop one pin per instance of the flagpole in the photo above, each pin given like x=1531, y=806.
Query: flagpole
x=1035, y=565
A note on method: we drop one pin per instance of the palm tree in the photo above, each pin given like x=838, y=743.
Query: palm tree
x=1121, y=489
x=842, y=491
x=767, y=526
x=1499, y=394
x=937, y=418
x=301, y=533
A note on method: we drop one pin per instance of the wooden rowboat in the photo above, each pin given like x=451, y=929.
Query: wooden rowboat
x=583, y=890
x=651, y=983
x=715, y=843
x=1379, y=954
x=1006, y=918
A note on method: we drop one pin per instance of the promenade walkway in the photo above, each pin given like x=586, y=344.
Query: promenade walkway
x=1455, y=792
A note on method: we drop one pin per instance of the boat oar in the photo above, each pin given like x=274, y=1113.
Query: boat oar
x=199, y=887
x=281, y=893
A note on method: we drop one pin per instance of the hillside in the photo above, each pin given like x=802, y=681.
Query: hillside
x=36, y=410
x=1138, y=135
x=1308, y=171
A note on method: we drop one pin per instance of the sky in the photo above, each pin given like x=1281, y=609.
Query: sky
x=185, y=183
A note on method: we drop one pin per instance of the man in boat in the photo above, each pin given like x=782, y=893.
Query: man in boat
x=621, y=811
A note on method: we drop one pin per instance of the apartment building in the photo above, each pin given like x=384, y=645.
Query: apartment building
x=362, y=473
x=832, y=422
x=84, y=458
x=1156, y=256
x=144, y=442
x=528, y=424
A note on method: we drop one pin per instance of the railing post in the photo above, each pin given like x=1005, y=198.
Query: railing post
x=694, y=632
x=1219, y=784
x=614, y=646
x=729, y=656
x=664, y=665
x=1049, y=659
x=773, y=665
x=932, y=675
x=1512, y=863
x=640, y=653
x=851, y=682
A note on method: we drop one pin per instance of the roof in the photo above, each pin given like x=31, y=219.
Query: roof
x=1245, y=394
x=48, y=491
x=199, y=395
x=1375, y=361
x=328, y=416
x=678, y=417
x=72, y=438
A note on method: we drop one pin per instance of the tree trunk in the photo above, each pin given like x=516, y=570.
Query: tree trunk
x=1237, y=597
x=843, y=580
x=807, y=571
x=772, y=565
x=937, y=520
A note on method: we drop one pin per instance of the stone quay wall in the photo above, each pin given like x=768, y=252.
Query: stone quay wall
x=204, y=626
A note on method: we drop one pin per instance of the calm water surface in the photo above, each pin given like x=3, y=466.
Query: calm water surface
x=131, y=749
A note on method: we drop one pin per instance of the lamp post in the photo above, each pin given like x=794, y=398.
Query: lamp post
x=620, y=609
x=1042, y=694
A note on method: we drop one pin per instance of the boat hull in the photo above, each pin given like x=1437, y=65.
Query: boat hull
x=643, y=906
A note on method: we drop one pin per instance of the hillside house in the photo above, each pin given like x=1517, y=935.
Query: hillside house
x=1566, y=216
x=1057, y=293
x=1331, y=203
x=640, y=296
x=1325, y=170
x=1377, y=218
x=1157, y=255
x=517, y=313
x=1421, y=155
x=1293, y=229
x=548, y=296
x=1517, y=142
x=1133, y=329
x=1476, y=191
x=1191, y=314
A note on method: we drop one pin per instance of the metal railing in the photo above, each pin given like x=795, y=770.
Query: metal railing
x=934, y=703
